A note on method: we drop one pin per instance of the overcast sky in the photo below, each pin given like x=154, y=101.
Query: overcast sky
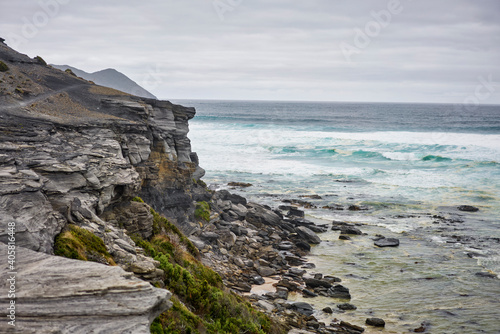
x=313, y=50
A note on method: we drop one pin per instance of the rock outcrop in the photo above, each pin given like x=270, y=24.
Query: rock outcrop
x=71, y=151
x=75, y=154
x=59, y=295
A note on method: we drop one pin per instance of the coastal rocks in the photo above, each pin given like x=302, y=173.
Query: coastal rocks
x=260, y=215
x=346, y=307
x=308, y=235
x=315, y=283
x=67, y=290
x=468, y=208
x=303, y=308
x=135, y=217
x=239, y=184
x=339, y=291
x=375, y=322
x=294, y=212
x=386, y=242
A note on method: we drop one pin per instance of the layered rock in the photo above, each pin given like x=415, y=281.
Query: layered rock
x=71, y=151
x=59, y=295
x=75, y=153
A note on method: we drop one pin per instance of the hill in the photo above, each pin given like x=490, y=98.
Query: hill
x=110, y=78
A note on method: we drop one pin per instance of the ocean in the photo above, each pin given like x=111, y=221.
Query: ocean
x=403, y=170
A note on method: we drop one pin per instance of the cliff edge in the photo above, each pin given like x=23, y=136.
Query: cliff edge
x=72, y=153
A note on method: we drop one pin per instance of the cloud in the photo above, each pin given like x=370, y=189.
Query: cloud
x=274, y=49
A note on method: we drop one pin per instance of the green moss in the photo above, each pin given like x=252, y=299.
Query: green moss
x=137, y=199
x=202, y=211
x=78, y=243
x=40, y=61
x=3, y=67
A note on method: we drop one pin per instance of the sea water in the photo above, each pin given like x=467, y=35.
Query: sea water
x=408, y=167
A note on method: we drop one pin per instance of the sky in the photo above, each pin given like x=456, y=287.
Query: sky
x=445, y=51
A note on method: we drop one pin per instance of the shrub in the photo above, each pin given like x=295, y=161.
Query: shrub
x=202, y=211
x=3, y=67
x=162, y=225
x=40, y=61
x=80, y=244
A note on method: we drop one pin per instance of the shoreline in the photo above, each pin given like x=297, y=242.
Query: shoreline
x=318, y=321
x=262, y=254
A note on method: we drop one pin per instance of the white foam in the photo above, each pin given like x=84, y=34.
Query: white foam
x=401, y=156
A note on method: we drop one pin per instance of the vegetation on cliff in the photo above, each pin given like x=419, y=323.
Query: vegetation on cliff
x=78, y=243
x=202, y=211
x=201, y=302
x=3, y=67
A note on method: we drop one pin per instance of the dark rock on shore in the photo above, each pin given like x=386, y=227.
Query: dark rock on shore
x=485, y=274
x=315, y=283
x=294, y=212
x=350, y=230
x=239, y=184
x=308, y=235
x=346, y=307
x=258, y=280
x=387, y=242
x=339, y=291
x=350, y=328
x=303, y=308
x=376, y=322
x=468, y=208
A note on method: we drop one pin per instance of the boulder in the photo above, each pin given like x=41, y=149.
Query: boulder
x=308, y=235
x=350, y=230
x=468, y=208
x=346, y=307
x=84, y=297
x=303, y=245
x=303, y=308
x=339, y=291
x=376, y=322
x=294, y=212
x=315, y=283
x=227, y=196
x=260, y=215
x=258, y=280
x=266, y=271
x=387, y=242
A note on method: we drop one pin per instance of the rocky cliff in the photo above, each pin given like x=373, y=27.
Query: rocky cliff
x=74, y=154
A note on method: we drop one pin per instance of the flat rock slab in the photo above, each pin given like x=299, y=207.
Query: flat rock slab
x=387, y=242
x=60, y=295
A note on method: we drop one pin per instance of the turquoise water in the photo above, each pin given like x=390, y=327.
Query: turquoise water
x=404, y=164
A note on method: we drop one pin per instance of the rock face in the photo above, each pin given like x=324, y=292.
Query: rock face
x=71, y=151
x=59, y=295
